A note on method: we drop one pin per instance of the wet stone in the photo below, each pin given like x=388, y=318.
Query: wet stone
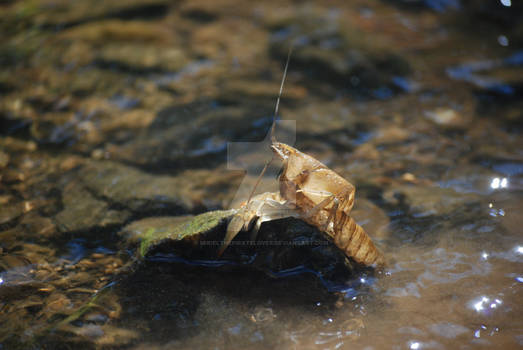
x=138, y=58
x=57, y=302
x=372, y=218
x=153, y=232
x=428, y=200
x=138, y=191
x=193, y=135
x=38, y=225
x=96, y=318
x=391, y=135
x=105, y=335
x=83, y=211
x=13, y=145
x=448, y=118
x=4, y=159
x=10, y=212
x=56, y=128
x=327, y=45
x=63, y=14
x=91, y=331
x=115, y=30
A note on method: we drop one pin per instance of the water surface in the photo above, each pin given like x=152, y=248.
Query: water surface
x=115, y=113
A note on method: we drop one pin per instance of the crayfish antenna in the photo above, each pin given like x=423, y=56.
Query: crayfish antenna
x=237, y=223
x=273, y=138
x=273, y=126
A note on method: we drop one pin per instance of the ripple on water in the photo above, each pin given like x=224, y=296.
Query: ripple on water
x=438, y=266
x=448, y=330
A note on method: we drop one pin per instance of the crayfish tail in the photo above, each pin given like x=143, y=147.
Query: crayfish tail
x=355, y=242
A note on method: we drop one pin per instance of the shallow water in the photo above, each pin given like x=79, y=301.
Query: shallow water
x=113, y=114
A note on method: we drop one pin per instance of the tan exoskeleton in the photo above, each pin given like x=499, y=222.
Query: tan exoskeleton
x=267, y=206
x=311, y=191
x=324, y=199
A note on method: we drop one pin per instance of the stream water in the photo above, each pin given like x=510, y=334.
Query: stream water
x=113, y=113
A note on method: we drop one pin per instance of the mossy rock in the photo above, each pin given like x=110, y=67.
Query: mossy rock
x=281, y=245
x=153, y=233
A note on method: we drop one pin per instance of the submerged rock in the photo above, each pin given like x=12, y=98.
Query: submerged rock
x=10, y=212
x=137, y=58
x=119, y=31
x=82, y=211
x=137, y=190
x=327, y=46
x=448, y=118
x=425, y=201
x=4, y=159
x=62, y=14
x=193, y=134
x=108, y=194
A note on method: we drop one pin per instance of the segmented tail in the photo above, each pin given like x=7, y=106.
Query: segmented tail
x=354, y=241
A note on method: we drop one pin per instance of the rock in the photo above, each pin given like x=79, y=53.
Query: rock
x=4, y=159
x=448, y=118
x=118, y=31
x=91, y=331
x=82, y=211
x=64, y=14
x=108, y=193
x=281, y=245
x=194, y=133
x=39, y=226
x=134, y=119
x=10, y=212
x=57, y=302
x=239, y=39
x=391, y=135
x=54, y=128
x=138, y=191
x=13, y=145
x=93, y=79
x=330, y=48
x=366, y=151
x=372, y=218
x=139, y=58
x=96, y=317
x=115, y=336
x=430, y=200
x=153, y=232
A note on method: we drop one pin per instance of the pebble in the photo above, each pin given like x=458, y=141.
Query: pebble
x=4, y=159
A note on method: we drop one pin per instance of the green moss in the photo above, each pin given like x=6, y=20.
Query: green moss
x=189, y=227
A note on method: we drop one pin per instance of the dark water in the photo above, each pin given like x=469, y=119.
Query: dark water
x=115, y=112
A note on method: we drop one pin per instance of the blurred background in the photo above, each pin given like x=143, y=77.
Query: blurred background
x=112, y=113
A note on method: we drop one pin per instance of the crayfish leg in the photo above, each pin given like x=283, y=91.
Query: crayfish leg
x=256, y=228
x=234, y=227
